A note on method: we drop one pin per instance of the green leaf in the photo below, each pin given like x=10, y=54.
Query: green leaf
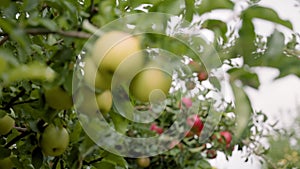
x=275, y=47
x=32, y=70
x=209, y=5
x=266, y=14
x=37, y=157
x=245, y=43
x=5, y=152
x=173, y=7
x=119, y=121
x=243, y=109
x=246, y=77
x=104, y=164
x=219, y=27
x=118, y=160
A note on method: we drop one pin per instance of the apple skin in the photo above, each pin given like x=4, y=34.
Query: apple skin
x=6, y=124
x=156, y=129
x=149, y=80
x=93, y=77
x=227, y=136
x=197, y=125
x=143, y=162
x=57, y=98
x=6, y=163
x=202, y=76
x=111, y=51
x=104, y=101
x=54, y=140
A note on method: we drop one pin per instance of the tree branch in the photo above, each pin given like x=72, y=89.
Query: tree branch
x=43, y=31
x=14, y=140
x=4, y=39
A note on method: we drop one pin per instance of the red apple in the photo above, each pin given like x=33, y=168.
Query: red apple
x=227, y=136
x=196, y=123
x=202, y=76
x=156, y=129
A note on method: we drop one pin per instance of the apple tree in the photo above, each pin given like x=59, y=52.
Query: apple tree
x=146, y=69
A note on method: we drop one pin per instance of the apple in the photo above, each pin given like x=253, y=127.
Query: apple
x=143, y=162
x=194, y=66
x=156, y=129
x=58, y=98
x=93, y=77
x=112, y=49
x=6, y=124
x=227, y=137
x=187, y=102
x=151, y=82
x=197, y=125
x=6, y=163
x=54, y=140
x=104, y=101
x=211, y=154
x=202, y=76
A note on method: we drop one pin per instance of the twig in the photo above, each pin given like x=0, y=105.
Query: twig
x=43, y=31
x=27, y=101
x=21, y=129
x=4, y=39
x=13, y=141
x=11, y=102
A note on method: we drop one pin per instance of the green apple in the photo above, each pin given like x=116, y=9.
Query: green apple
x=58, y=98
x=6, y=163
x=148, y=82
x=116, y=50
x=54, y=140
x=92, y=77
x=6, y=124
x=104, y=101
x=143, y=162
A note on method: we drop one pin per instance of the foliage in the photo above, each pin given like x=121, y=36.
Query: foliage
x=39, y=45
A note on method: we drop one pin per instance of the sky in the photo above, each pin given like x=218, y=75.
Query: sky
x=277, y=98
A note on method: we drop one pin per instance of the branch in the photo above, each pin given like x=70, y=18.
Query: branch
x=43, y=31
x=4, y=39
x=19, y=137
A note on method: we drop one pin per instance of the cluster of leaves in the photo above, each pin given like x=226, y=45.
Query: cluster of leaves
x=38, y=47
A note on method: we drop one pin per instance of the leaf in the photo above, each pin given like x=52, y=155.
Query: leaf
x=37, y=157
x=209, y=5
x=32, y=70
x=266, y=14
x=118, y=160
x=104, y=164
x=4, y=152
x=216, y=26
x=243, y=109
x=248, y=78
x=173, y=7
x=245, y=43
x=119, y=121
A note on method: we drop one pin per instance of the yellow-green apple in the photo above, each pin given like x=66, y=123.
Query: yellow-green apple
x=6, y=163
x=6, y=124
x=111, y=50
x=58, y=98
x=94, y=78
x=104, y=101
x=54, y=140
x=143, y=162
x=150, y=82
